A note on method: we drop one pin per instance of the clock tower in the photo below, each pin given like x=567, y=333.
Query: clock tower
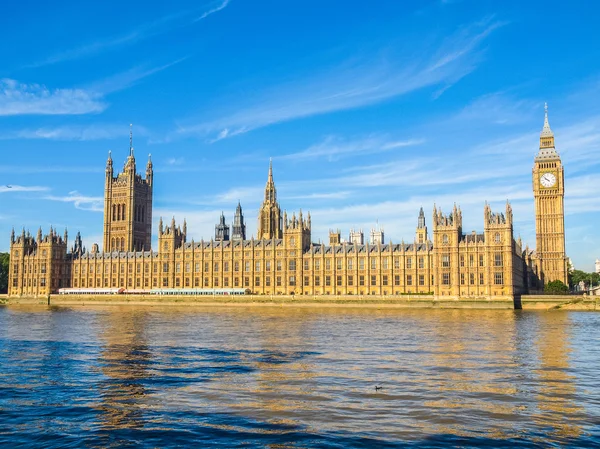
x=549, y=193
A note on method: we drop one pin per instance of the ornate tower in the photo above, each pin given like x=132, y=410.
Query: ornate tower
x=221, y=230
x=128, y=206
x=238, y=229
x=269, y=217
x=421, y=236
x=549, y=193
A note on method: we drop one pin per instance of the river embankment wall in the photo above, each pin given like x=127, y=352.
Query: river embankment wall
x=525, y=302
x=365, y=301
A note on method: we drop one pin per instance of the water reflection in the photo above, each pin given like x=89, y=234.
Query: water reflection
x=123, y=362
x=557, y=410
x=296, y=378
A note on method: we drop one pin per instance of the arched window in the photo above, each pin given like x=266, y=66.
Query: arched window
x=118, y=212
x=445, y=239
x=497, y=237
x=123, y=212
x=114, y=212
x=122, y=244
x=112, y=245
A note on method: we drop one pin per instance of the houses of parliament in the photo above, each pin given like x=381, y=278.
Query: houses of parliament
x=283, y=259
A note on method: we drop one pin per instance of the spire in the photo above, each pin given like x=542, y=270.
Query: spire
x=12, y=235
x=546, y=131
x=547, y=149
x=130, y=140
x=421, y=222
x=270, y=192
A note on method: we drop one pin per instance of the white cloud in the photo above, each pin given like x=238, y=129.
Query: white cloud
x=74, y=133
x=13, y=188
x=333, y=147
x=20, y=99
x=142, y=32
x=364, y=81
x=35, y=99
x=218, y=8
x=82, y=202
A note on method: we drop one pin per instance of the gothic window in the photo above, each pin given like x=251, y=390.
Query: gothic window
x=292, y=241
x=122, y=244
x=446, y=261
x=385, y=280
x=373, y=264
x=123, y=212
x=317, y=281
x=409, y=263
x=422, y=262
x=339, y=263
x=292, y=281
x=373, y=280
x=462, y=261
x=481, y=260
x=292, y=265
x=317, y=264
x=446, y=278
x=257, y=266
x=350, y=281
x=408, y=279
x=498, y=259
x=327, y=281
x=497, y=237
x=472, y=279
x=421, y=279
x=397, y=280
x=350, y=264
x=279, y=265
x=462, y=278
x=306, y=265
x=445, y=239
x=114, y=212
x=480, y=278
x=328, y=264
x=499, y=278
x=338, y=281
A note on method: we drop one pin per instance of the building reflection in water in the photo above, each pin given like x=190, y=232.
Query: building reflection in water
x=557, y=408
x=124, y=364
x=469, y=358
x=280, y=385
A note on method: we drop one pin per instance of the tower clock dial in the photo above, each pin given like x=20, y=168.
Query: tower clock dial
x=548, y=179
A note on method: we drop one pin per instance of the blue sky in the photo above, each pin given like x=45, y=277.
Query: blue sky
x=369, y=110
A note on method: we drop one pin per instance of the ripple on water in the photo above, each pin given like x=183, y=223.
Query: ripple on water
x=148, y=377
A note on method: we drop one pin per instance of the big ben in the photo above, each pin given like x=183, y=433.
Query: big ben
x=549, y=193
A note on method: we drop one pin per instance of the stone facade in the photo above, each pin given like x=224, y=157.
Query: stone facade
x=284, y=260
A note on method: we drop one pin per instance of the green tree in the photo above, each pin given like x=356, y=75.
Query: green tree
x=556, y=288
x=577, y=276
x=4, y=263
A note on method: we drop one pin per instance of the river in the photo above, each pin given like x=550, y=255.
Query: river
x=284, y=377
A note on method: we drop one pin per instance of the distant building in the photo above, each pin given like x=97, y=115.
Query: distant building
x=238, y=229
x=222, y=230
x=598, y=266
x=356, y=237
x=377, y=236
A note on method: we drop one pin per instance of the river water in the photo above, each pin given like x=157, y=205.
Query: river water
x=272, y=377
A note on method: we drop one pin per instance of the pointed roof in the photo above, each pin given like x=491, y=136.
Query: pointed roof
x=546, y=131
x=547, y=149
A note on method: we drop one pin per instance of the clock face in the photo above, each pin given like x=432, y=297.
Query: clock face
x=548, y=179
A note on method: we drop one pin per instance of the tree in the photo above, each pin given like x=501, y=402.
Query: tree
x=4, y=264
x=556, y=288
x=577, y=276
